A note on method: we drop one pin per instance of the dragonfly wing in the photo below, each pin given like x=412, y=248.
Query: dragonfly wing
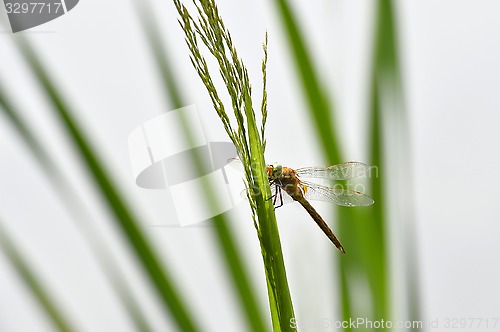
x=284, y=196
x=338, y=196
x=343, y=171
x=236, y=164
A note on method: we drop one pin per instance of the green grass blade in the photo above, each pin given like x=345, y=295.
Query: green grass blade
x=17, y=122
x=387, y=77
x=127, y=222
x=71, y=201
x=161, y=58
x=225, y=238
x=37, y=288
x=377, y=271
x=320, y=107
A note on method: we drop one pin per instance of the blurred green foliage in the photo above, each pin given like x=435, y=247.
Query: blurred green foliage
x=363, y=231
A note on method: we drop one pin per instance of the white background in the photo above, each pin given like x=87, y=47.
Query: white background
x=100, y=59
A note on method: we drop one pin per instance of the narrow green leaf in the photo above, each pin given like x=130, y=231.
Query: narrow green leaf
x=375, y=259
x=126, y=221
x=37, y=288
x=387, y=80
x=71, y=201
x=320, y=107
x=17, y=122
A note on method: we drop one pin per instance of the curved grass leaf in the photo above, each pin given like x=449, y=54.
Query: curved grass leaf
x=37, y=288
x=69, y=197
x=126, y=221
x=320, y=108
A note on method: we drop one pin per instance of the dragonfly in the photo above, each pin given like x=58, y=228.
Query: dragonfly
x=288, y=185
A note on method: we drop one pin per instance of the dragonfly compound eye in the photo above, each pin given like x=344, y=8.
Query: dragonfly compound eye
x=277, y=170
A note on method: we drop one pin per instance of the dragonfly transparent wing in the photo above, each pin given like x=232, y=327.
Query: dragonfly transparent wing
x=284, y=196
x=343, y=171
x=338, y=196
x=236, y=164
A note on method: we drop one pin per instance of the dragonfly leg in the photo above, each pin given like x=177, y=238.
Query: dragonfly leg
x=272, y=196
x=275, y=196
x=281, y=198
x=277, y=190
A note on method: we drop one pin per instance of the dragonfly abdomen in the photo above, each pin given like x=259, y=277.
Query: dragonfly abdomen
x=320, y=222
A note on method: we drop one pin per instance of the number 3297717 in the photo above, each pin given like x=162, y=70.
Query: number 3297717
x=33, y=8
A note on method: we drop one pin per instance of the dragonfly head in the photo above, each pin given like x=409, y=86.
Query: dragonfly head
x=275, y=170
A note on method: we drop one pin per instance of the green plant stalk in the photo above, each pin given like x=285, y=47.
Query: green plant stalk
x=74, y=205
x=281, y=303
x=37, y=288
x=248, y=140
x=126, y=221
x=225, y=238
